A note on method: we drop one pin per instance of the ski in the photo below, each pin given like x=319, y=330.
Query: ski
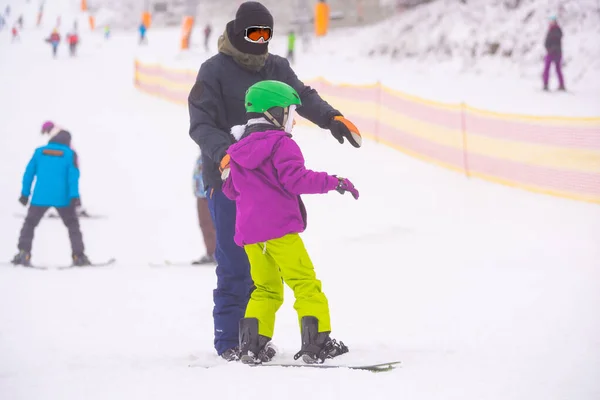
x=381, y=367
x=98, y=264
x=52, y=215
x=30, y=266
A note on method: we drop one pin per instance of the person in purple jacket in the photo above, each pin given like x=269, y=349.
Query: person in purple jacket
x=553, y=44
x=264, y=173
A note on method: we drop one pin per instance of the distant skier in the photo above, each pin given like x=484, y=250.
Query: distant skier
x=73, y=40
x=264, y=173
x=207, y=32
x=291, y=46
x=56, y=172
x=553, y=44
x=106, y=32
x=54, y=40
x=204, y=219
x=15, y=34
x=142, y=30
x=20, y=22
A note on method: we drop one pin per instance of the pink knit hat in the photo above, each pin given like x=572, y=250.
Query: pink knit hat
x=47, y=126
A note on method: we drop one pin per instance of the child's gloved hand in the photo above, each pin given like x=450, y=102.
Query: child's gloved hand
x=224, y=167
x=342, y=128
x=344, y=185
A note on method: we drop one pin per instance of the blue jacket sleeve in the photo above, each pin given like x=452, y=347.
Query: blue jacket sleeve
x=29, y=175
x=73, y=177
x=207, y=113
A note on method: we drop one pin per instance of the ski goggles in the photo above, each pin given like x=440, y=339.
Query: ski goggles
x=258, y=34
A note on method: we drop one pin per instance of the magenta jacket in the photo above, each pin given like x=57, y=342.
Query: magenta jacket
x=266, y=180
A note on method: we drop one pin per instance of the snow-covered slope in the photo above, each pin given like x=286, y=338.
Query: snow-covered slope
x=482, y=291
x=487, y=37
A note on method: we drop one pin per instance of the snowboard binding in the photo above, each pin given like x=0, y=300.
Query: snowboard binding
x=317, y=346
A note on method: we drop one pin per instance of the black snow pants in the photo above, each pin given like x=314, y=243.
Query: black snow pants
x=69, y=218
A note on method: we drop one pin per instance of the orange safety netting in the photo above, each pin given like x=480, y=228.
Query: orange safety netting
x=552, y=155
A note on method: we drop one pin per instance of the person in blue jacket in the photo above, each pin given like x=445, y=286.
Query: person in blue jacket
x=142, y=30
x=56, y=174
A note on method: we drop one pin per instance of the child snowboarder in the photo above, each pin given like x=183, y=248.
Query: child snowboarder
x=54, y=41
x=265, y=174
x=204, y=219
x=56, y=174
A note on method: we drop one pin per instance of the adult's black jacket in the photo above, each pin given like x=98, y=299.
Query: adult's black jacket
x=216, y=103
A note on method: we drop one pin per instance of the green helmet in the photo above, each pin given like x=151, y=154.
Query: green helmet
x=265, y=95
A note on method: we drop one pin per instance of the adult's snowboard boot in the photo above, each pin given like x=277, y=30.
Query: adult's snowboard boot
x=81, y=260
x=254, y=348
x=232, y=354
x=22, y=258
x=317, y=346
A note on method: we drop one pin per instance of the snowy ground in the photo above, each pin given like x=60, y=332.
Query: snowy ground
x=483, y=292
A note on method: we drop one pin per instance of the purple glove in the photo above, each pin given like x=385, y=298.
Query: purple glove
x=344, y=185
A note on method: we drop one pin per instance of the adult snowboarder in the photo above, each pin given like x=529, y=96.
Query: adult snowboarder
x=142, y=29
x=207, y=33
x=56, y=174
x=267, y=167
x=216, y=104
x=553, y=44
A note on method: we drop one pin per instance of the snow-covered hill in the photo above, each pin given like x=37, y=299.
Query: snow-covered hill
x=486, y=37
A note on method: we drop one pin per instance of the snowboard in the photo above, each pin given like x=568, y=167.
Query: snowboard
x=381, y=367
x=62, y=267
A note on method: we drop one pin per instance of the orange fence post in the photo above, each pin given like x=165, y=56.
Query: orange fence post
x=146, y=19
x=186, y=31
x=321, y=18
x=84, y=5
x=92, y=22
x=378, y=106
x=465, y=148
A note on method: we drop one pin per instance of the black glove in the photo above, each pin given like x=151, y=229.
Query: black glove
x=24, y=199
x=341, y=128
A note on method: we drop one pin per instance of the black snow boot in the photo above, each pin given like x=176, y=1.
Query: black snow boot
x=81, y=260
x=22, y=258
x=254, y=348
x=317, y=346
x=232, y=354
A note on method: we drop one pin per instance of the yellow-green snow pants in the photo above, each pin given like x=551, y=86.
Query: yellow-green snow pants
x=285, y=258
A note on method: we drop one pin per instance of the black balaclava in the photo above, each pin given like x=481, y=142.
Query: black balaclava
x=250, y=13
